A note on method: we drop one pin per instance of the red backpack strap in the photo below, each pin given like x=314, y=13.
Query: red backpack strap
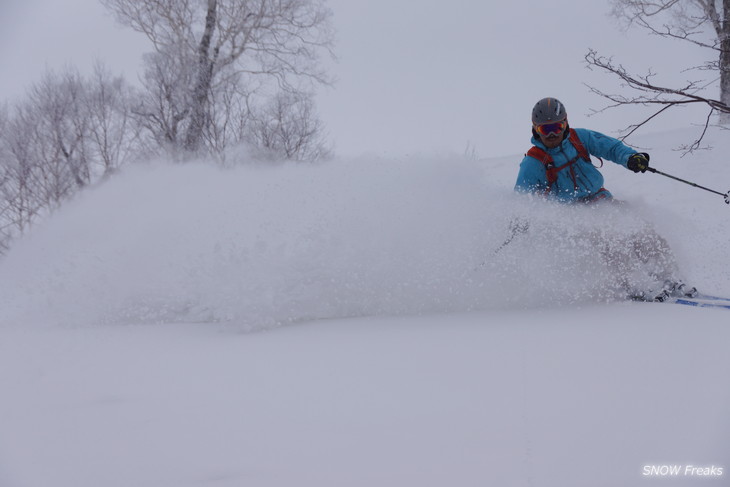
x=575, y=140
x=582, y=152
x=547, y=160
x=539, y=154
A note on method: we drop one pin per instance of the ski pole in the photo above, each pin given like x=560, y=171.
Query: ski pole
x=516, y=226
x=725, y=195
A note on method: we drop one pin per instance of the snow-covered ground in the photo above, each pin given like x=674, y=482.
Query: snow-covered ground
x=350, y=325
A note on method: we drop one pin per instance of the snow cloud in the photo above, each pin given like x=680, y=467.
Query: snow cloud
x=260, y=246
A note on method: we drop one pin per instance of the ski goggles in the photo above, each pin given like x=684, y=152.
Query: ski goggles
x=551, y=128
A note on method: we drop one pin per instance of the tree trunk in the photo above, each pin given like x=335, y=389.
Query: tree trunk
x=199, y=101
x=724, y=38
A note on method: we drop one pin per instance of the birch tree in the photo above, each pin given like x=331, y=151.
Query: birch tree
x=207, y=51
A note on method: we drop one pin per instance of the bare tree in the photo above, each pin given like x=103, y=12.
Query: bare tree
x=113, y=135
x=221, y=72
x=286, y=126
x=700, y=22
x=20, y=192
x=54, y=117
x=231, y=115
x=6, y=219
x=202, y=47
x=68, y=133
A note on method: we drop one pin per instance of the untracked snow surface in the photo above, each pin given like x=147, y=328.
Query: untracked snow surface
x=350, y=324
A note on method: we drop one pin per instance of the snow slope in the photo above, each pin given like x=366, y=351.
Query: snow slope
x=349, y=324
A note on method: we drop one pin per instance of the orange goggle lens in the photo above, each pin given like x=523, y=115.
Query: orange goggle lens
x=551, y=128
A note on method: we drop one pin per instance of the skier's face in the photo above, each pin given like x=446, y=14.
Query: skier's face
x=551, y=133
x=551, y=141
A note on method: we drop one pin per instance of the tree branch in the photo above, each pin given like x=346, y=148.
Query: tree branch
x=646, y=93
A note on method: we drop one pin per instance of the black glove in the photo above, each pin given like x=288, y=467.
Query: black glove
x=638, y=162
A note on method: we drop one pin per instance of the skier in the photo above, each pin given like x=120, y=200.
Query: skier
x=559, y=167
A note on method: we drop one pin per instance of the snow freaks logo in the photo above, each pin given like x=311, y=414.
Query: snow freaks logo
x=681, y=471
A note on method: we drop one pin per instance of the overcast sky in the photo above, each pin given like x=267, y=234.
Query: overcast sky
x=414, y=77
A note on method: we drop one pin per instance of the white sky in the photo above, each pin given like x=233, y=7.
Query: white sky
x=414, y=77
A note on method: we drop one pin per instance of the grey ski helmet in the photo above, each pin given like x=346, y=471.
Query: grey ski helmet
x=548, y=110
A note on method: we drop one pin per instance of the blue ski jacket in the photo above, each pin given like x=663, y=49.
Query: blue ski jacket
x=588, y=183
